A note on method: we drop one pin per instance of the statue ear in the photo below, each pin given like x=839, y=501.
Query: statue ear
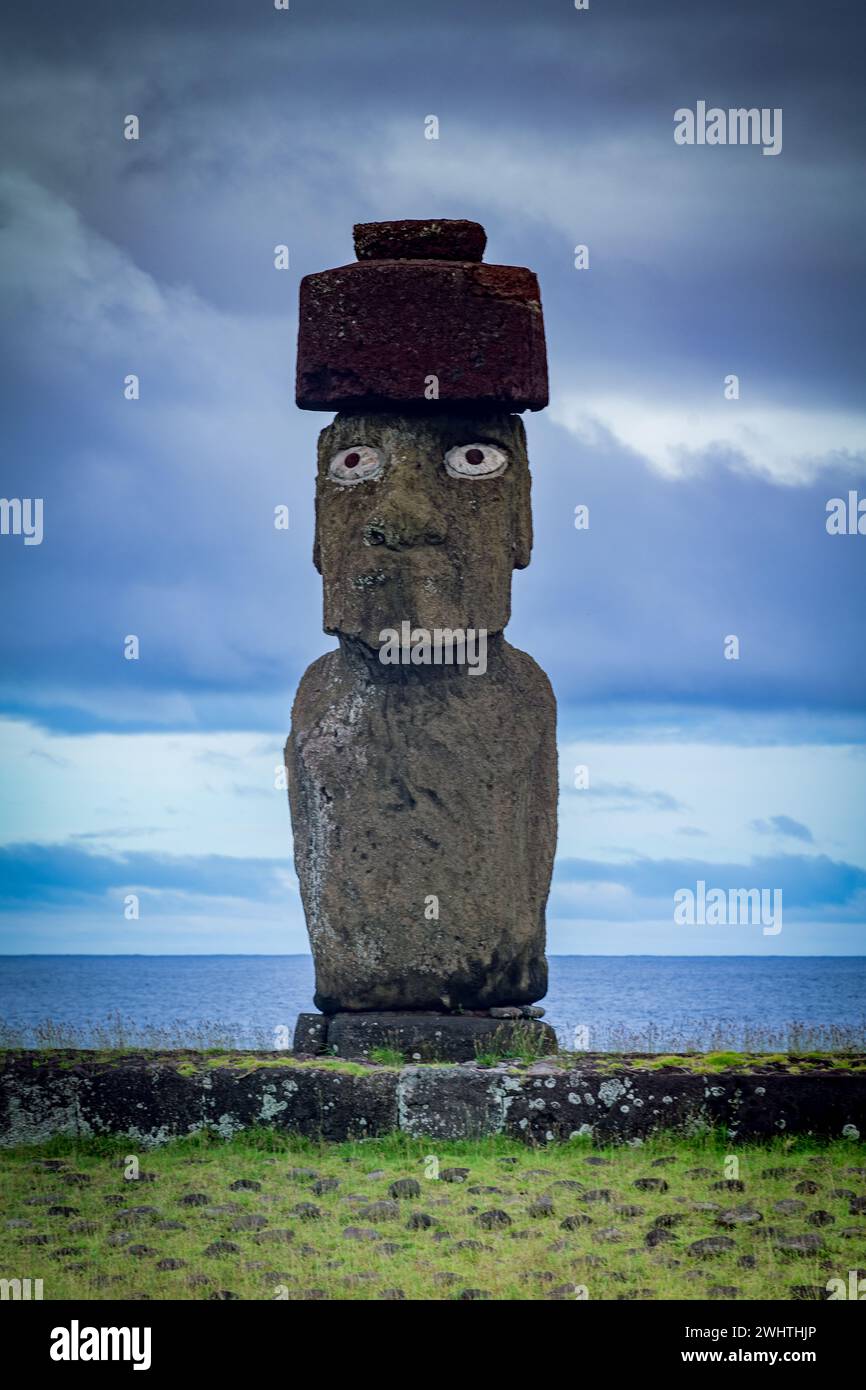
x=521, y=536
x=323, y=453
x=317, y=549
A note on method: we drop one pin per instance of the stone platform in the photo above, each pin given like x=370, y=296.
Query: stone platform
x=151, y=1098
x=424, y=1037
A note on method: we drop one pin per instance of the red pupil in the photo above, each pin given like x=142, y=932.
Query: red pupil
x=352, y=460
x=474, y=456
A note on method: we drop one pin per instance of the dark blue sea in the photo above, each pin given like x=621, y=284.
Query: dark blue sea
x=646, y=1003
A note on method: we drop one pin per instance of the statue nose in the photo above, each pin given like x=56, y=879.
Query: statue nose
x=405, y=521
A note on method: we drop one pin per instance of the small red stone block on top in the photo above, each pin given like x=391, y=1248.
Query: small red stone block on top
x=419, y=322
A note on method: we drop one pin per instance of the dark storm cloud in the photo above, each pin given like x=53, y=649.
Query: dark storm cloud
x=260, y=127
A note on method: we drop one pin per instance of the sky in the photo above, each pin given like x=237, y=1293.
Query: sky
x=159, y=777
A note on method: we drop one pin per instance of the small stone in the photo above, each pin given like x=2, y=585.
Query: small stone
x=723, y=1291
x=307, y=1211
x=657, y=1236
x=170, y=1264
x=194, y=1199
x=729, y=1185
x=799, y=1245
x=815, y=1218
x=542, y=1206
x=468, y=1295
x=222, y=1247
x=360, y=1233
x=808, y=1187
x=454, y=1174
x=419, y=1221
x=323, y=1185
x=275, y=1237
x=245, y=1185
x=739, y=1216
x=598, y=1194
x=576, y=1220
x=405, y=1187
x=651, y=1185
x=249, y=1222
x=379, y=1211
x=789, y=1206
x=490, y=1219
x=710, y=1245
x=300, y=1174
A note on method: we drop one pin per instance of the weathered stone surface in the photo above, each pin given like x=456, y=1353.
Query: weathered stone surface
x=152, y=1099
x=407, y=781
x=371, y=334
x=437, y=239
x=311, y=1034
x=432, y=1037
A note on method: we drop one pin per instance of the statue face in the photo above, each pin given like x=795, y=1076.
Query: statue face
x=421, y=519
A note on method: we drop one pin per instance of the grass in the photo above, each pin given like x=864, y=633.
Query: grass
x=531, y=1257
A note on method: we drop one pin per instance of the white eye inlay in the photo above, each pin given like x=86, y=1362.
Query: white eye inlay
x=355, y=465
x=476, y=461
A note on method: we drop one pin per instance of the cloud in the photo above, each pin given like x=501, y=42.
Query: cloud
x=815, y=882
x=688, y=434
x=783, y=825
x=41, y=875
x=624, y=796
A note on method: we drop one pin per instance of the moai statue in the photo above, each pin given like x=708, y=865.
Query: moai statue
x=422, y=758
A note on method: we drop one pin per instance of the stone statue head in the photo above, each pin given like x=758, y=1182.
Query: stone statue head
x=421, y=519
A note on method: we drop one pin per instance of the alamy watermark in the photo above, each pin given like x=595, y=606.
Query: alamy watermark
x=22, y=516
x=737, y=126
x=738, y=907
x=439, y=646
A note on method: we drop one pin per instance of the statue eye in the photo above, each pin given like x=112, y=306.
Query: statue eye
x=355, y=465
x=476, y=461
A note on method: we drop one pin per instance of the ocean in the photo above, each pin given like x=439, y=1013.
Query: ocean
x=618, y=1003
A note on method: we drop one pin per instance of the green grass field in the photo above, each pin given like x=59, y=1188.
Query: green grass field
x=266, y=1216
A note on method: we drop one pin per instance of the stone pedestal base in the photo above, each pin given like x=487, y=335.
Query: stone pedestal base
x=424, y=1037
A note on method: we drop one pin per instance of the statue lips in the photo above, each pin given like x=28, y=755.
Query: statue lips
x=420, y=585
